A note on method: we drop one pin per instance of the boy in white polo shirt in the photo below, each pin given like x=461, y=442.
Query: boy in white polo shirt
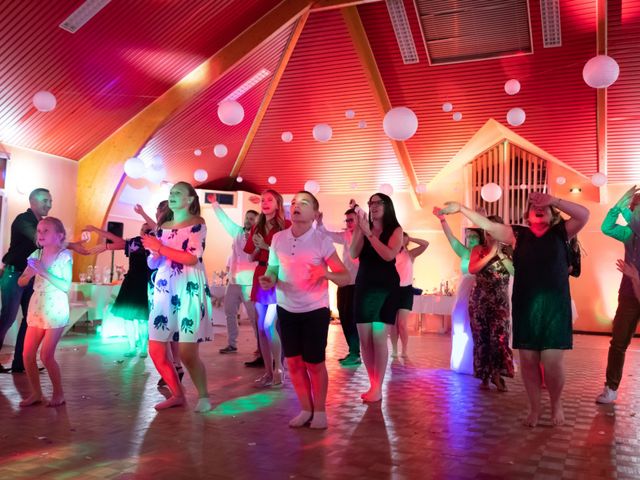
x=298, y=261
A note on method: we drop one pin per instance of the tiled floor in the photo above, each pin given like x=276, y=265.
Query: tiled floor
x=432, y=423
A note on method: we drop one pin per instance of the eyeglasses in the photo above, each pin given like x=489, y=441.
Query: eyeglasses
x=349, y=220
x=378, y=203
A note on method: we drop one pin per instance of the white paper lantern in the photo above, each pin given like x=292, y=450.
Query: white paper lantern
x=200, y=175
x=197, y=152
x=516, y=117
x=156, y=162
x=386, y=188
x=362, y=124
x=421, y=188
x=601, y=71
x=155, y=175
x=239, y=179
x=286, y=137
x=134, y=167
x=220, y=150
x=44, y=101
x=350, y=114
x=561, y=180
x=322, y=132
x=491, y=192
x=447, y=107
x=312, y=186
x=511, y=87
x=599, y=179
x=272, y=180
x=400, y=123
x=457, y=116
x=230, y=112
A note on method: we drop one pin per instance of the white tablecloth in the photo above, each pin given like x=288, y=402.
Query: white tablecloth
x=441, y=305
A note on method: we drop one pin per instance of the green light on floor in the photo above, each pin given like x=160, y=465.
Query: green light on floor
x=247, y=404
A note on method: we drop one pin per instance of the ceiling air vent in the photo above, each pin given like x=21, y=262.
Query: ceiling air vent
x=401, y=27
x=83, y=14
x=467, y=30
x=550, y=15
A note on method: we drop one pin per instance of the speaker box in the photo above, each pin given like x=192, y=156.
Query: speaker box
x=116, y=228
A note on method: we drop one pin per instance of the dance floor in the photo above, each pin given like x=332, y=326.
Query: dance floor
x=432, y=423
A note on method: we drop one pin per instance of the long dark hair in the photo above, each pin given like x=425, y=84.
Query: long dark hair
x=389, y=219
x=278, y=220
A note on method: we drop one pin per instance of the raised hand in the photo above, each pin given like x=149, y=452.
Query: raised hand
x=539, y=199
x=258, y=241
x=138, y=209
x=151, y=243
x=363, y=225
x=627, y=269
x=626, y=198
x=450, y=208
x=437, y=212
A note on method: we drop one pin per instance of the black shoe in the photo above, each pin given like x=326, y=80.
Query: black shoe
x=162, y=383
x=257, y=363
x=228, y=349
x=4, y=369
x=17, y=369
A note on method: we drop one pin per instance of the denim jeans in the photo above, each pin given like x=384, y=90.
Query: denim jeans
x=13, y=297
x=624, y=326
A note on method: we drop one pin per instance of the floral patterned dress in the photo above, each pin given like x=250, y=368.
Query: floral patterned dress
x=490, y=322
x=49, y=306
x=181, y=302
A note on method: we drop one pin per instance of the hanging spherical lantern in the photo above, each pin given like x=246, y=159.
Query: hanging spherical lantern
x=599, y=179
x=200, y=175
x=400, y=123
x=272, y=180
x=516, y=117
x=286, y=137
x=312, y=186
x=44, y=101
x=197, y=152
x=220, y=150
x=386, y=188
x=134, y=167
x=601, y=71
x=322, y=132
x=350, y=114
x=511, y=87
x=457, y=116
x=491, y=192
x=447, y=107
x=230, y=112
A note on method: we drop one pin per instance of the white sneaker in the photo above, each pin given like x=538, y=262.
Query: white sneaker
x=607, y=396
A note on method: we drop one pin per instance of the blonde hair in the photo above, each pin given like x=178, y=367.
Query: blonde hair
x=57, y=225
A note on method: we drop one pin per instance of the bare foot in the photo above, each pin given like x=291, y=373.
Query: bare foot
x=372, y=397
x=301, y=419
x=531, y=420
x=31, y=400
x=204, y=405
x=56, y=401
x=557, y=414
x=394, y=354
x=170, y=402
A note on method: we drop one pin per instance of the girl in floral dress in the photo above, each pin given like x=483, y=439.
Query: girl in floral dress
x=48, y=308
x=181, y=306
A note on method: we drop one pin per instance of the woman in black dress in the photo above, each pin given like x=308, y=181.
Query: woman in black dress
x=376, y=242
x=541, y=303
x=132, y=302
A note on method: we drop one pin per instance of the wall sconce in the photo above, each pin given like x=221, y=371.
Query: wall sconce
x=575, y=190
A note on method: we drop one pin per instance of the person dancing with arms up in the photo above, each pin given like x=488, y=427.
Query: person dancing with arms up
x=541, y=301
x=376, y=242
x=48, y=307
x=301, y=261
x=181, y=307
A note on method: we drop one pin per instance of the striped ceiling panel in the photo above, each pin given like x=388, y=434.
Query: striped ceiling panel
x=560, y=107
x=623, y=115
x=324, y=79
x=198, y=126
x=121, y=60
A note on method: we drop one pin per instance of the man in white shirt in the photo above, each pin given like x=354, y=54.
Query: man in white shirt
x=301, y=261
x=345, y=293
x=241, y=269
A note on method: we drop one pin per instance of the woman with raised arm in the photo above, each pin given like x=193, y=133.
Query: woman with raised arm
x=376, y=242
x=461, y=336
x=541, y=301
x=404, y=266
x=490, y=311
x=181, y=308
x=270, y=221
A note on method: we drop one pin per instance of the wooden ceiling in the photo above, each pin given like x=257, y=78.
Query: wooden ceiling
x=131, y=53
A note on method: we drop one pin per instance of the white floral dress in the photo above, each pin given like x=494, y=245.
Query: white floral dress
x=49, y=306
x=181, y=303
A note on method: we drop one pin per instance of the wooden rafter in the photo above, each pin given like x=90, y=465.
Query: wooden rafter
x=363, y=49
x=268, y=96
x=100, y=172
x=322, y=5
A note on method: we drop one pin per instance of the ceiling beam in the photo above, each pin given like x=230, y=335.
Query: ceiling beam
x=268, y=96
x=322, y=5
x=363, y=49
x=601, y=98
x=100, y=172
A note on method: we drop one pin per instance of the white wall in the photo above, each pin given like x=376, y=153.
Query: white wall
x=27, y=170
